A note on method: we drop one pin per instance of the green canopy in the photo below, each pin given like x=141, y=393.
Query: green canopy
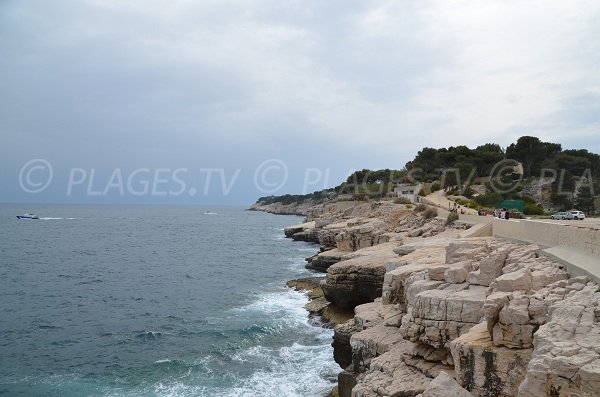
x=518, y=205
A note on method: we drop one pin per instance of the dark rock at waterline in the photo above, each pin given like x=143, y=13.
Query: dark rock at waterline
x=350, y=289
x=346, y=382
x=318, y=305
x=342, y=351
x=321, y=263
x=309, y=236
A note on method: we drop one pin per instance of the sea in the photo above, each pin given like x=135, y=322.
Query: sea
x=174, y=301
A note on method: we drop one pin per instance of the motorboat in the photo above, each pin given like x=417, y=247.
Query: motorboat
x=28, y=216
x=210, y=213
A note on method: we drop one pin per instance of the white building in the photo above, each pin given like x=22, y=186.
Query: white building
x=408, y=191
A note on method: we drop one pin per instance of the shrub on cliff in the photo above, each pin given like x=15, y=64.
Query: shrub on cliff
x=430, y=212
x=489, y=199
x=420, y=208
x=452, y=217
x=402, y=200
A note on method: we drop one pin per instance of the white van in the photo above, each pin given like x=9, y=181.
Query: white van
x=576, y=215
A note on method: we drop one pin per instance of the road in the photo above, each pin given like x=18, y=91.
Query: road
x=439, y=199
x=593, y=223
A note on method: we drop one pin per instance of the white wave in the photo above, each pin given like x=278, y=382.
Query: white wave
x=308, y=249
x=297, y=260
x=287, y=302
x=49, y=218
x=293, y=371
x=290, y=371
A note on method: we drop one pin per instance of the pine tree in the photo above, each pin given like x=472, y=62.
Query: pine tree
x=585, y=200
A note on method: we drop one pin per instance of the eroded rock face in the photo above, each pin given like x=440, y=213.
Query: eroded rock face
x=445, y=385
x=491, y=313
x=401, y=270
x=323, y=260
x=342, y=351
x=566, y=358
x=291, y=230
x=518, y=304
x=441, y=315
x=484, y=369
x=358, y=280
x=390, y=376
x=361, y=235
x=364, y=346
x=370, y=343
x=284, y=209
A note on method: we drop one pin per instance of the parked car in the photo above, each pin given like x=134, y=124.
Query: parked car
x=560, y=215
x=576, y=215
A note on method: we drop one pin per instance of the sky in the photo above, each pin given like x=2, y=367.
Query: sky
x=222, y=101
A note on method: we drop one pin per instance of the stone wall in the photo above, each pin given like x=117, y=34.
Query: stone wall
x=546, y=234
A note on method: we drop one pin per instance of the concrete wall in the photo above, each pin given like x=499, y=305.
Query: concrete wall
x=474, y=219
x=545, y=234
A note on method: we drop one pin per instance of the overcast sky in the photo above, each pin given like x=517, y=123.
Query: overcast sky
x=277, y=96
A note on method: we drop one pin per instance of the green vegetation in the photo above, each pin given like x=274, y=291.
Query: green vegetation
x=420, y=208
x=368, y=184
x=585, y=200
x=430, y=212
x=452, y=217
x=455, y=169
x=402, y=200
x=562, y=189
x=467, y=203
x=531, y=207
x=318, y=196
x=538, y=157
x=429, y=163
x=489, y=199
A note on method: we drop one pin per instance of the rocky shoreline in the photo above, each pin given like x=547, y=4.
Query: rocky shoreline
x=440, y=313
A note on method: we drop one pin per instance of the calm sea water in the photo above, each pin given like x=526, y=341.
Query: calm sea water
x=155, y=301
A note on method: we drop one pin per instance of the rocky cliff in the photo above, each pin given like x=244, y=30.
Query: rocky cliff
x=282, y=209
x=440, y=315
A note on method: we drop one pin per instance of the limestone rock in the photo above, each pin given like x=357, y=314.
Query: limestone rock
x=370, y=343
x=323, y=260
x=519, y=280
x=390, y=376
x=361, y=234
x=291, y=230
x=346, y=382
x=490, y=267
x=370, y=314
x=357, y=280
x=566, y=356
x=441, y=315
x=404, y=250
x=487, y=370
x=514, y=328
x=445, y=386
x=438, y=272
x=428, y=254
x=342, y=351
x=459, y=251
